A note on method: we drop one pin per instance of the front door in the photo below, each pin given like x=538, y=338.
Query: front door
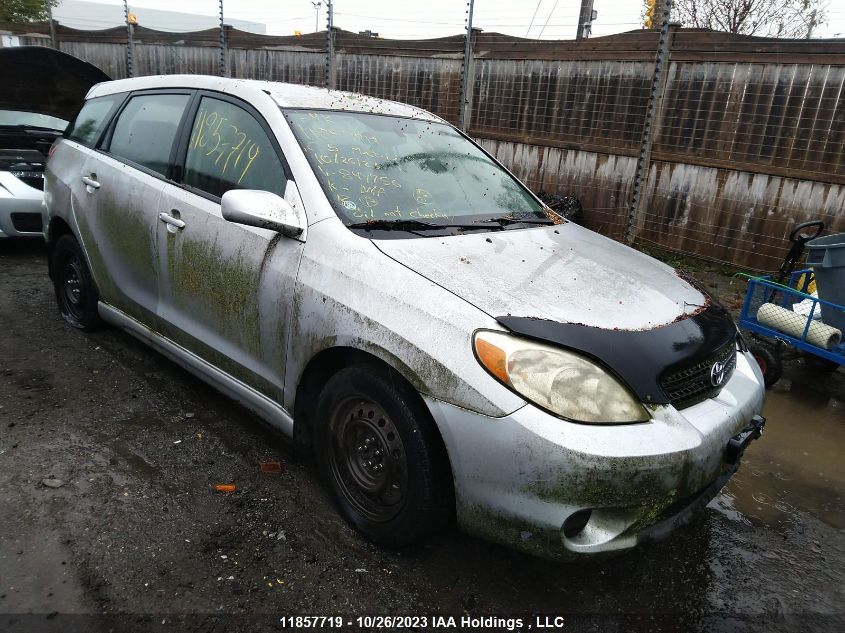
x=226, y=289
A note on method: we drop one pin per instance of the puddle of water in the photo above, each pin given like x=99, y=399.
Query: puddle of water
x=798, y=464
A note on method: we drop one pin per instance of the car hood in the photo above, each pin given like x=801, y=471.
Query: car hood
x=563, y=273
x=44, y=80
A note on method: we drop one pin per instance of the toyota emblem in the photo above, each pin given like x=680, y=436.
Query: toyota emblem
x=717, y=374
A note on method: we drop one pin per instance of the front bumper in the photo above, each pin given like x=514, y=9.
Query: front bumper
x=20, y=208
x=528, y=479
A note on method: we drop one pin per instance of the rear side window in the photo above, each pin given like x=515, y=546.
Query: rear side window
x=229, y=149
x=146, y=128
x=92, y=118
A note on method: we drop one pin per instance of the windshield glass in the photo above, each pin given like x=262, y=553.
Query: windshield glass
x=31, y=119
x=377, y=168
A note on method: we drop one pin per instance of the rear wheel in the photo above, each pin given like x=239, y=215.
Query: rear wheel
x=769, y=362
x=74, y=287
x=381, y=456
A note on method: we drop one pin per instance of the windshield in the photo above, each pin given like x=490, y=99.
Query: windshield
x=31, y=119
x=381, y=169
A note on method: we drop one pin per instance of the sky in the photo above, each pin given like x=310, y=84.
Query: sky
x=548, y=19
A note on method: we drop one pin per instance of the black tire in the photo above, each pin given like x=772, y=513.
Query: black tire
x=75, y=291
x=769, y=362
x=819, y=364
x=381, y=456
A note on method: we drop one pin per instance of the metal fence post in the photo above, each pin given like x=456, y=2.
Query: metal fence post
x=330, y=60
x=130, y=45
x=222, y=67
x=465, y=111
x=655, y=102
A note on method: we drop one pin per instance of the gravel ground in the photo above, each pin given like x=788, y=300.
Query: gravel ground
x=109, y=454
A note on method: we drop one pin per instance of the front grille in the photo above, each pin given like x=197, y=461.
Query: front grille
x=691, y=385
x=27, y=222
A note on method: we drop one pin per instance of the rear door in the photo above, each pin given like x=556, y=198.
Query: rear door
x=226, y=288
x=123, y=183
x=65, y=194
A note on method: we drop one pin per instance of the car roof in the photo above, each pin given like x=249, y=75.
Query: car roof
x=284, y=94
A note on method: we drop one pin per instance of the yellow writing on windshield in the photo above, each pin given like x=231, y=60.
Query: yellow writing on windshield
x=361, y=172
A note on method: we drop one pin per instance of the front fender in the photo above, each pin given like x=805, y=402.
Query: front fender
x=349, y=294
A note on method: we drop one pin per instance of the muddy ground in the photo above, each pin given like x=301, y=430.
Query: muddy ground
x=135, y=534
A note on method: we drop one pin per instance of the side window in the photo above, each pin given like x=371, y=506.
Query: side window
x=92, y=118
x=228, y=149
x=146, y=128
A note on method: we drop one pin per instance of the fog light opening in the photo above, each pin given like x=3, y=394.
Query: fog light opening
x=576, y=523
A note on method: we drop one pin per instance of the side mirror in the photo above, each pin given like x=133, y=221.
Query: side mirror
x=262, y=209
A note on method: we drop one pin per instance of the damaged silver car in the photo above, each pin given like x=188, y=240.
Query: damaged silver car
x=367, y=279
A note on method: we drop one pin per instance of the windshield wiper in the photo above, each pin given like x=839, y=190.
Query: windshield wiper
x=417, y=225
x=507, y=220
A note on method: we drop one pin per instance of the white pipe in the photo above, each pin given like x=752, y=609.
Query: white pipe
x=789, y=322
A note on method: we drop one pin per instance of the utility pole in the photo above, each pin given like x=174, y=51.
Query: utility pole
x=316, y=6
x=467, y=74
x=53, y=41
x=585, y=20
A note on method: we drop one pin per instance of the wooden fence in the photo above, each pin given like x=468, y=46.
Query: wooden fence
x=748, y=136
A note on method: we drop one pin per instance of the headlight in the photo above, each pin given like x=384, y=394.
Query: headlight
x=558, y=380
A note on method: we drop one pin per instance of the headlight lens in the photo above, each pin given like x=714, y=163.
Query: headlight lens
x=562, y=382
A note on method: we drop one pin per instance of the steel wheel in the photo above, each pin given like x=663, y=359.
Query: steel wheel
x=73, y=290
x=368, y=459
x=73, y=285
x=381, y=456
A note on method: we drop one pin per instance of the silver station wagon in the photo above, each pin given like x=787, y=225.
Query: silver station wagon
x=364, y=277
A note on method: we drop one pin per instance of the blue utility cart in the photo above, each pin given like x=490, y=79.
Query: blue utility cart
x=781, y=311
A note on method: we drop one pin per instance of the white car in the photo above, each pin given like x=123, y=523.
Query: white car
x=363, y=276
x=42, y=89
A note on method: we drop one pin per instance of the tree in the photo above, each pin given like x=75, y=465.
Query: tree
x=765, y=18
x=24, y=10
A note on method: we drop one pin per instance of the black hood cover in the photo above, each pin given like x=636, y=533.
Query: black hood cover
x=649, y=361
x=44, y=80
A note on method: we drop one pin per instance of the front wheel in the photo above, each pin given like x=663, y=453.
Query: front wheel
x=382, y=457
x=74, y=287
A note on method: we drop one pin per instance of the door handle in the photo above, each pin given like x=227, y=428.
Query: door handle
x=169, y=219
x=90, y=182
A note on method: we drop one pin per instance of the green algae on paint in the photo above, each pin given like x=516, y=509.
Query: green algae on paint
x=222, y=289
x=512, y=532
x=119, y=242
x=218, y=360
x=131, y=237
